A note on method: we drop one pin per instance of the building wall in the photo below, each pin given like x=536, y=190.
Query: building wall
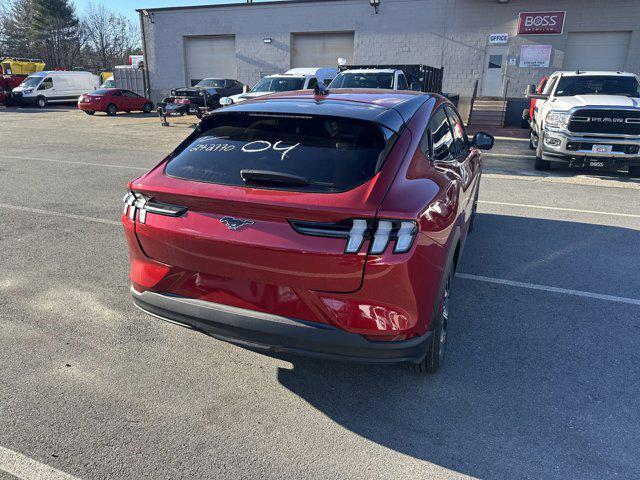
x=448, y=33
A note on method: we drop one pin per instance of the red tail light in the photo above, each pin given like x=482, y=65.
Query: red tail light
x=356, y=230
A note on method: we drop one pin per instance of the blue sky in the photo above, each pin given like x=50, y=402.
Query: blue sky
x=128, y=8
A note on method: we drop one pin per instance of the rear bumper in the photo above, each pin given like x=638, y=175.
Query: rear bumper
x=264, y=331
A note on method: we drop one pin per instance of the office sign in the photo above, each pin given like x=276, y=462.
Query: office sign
x=541, y=23
x=498, y=38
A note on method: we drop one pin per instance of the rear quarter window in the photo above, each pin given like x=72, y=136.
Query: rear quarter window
x=332, y=153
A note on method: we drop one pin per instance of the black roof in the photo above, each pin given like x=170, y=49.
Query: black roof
x=390, y=116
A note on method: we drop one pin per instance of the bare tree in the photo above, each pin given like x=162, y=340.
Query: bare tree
x=110, y=37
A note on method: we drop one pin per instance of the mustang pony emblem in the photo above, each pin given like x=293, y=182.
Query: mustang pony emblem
x=235, y=223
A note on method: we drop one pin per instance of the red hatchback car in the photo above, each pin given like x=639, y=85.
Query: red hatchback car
x=326, y=225
x=112, y=101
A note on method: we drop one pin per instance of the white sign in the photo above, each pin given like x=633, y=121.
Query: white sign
x=535, y=56
x=496, y=38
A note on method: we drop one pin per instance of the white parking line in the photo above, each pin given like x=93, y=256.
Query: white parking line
x=25, y=468
x=560, y=209
x=59, y=214
x=69, y=162
x=508, y=155
x=548, y=288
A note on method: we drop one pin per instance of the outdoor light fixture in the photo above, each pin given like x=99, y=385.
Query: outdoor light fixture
x=267, y=40
x=375, y=4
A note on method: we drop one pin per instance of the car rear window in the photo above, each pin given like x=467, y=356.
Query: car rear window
x=332, y=153
x=103, y=91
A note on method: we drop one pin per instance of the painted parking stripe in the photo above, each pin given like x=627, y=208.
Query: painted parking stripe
x=59, y=214
x=509, y=155
x=548, y=288
x=69, y=162
x=560, y=209
x=25, y=468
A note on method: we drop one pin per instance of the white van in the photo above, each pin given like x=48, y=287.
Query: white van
x=54, y=86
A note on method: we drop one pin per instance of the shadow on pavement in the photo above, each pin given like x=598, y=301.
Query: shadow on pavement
x=536, y=384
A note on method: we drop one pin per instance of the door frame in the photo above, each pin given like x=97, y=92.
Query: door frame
x=492, y=50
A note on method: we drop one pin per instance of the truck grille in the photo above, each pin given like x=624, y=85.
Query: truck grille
x=624, y=122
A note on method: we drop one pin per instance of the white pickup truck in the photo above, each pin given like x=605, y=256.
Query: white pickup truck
x=387, y=78
x=587, y=119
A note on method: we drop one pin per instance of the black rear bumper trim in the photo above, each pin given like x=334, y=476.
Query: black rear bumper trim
x=268, y=332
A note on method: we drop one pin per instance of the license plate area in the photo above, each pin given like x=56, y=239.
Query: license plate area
x=599, y=148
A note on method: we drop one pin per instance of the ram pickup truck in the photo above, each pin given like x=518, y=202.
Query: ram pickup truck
x=587, y=119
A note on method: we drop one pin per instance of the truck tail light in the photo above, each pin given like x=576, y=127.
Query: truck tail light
x=357, y=230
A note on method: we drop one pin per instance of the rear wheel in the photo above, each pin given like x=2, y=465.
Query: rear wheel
x=147, y=107
x=437, y=346
x=89, y=112
x=111, y=109
x=634, y=170
x=41, y=102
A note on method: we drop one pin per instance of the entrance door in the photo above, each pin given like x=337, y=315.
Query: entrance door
x=494, y=63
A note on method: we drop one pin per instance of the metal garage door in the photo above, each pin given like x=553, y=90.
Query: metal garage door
x=210, y=57
x=596, y=51
x=321, y=49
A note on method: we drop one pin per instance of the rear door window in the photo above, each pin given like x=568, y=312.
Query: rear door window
x=441, y=137
x=330, y=153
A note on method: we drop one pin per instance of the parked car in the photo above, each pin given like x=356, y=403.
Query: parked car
x=417, y=77
x=41, y=88
x=205, y=94
x=325, y=227
x=527, y=113
x=112, y=101
x=8, y=83
x=386, y=78
x=587, y=119
x=294, y=79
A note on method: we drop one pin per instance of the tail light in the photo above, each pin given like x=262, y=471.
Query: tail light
x=137, y=202
x=355, y=231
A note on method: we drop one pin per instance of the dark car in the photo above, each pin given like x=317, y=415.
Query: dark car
x=205, y=94
x=322, y=224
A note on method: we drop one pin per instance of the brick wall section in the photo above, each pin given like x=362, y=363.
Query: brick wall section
x=448, y=33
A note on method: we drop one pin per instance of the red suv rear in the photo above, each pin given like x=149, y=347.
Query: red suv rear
x=326, y=225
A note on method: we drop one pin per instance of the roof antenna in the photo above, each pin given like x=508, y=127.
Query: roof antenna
x=320, y=89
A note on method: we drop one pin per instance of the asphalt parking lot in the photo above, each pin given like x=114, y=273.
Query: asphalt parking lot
x=541, y=379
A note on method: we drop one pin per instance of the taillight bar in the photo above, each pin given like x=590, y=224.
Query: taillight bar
x=137, y=202
x=356, y=230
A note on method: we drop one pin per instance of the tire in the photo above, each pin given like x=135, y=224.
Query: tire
x=111, y=110
x=41, y=102
x=539, y=163
x=147, y=107
x=437, y=346
x=634, y=170
x=89, y=112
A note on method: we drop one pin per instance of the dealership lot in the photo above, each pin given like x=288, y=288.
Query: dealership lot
x=539, y=381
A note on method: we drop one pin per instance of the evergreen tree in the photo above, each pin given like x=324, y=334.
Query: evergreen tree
x=55, y=32
x=15, y=25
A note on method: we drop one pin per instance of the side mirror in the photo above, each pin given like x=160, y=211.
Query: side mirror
x=416, y=87
x=531, y=93
x=245, y=88
x=483, y=141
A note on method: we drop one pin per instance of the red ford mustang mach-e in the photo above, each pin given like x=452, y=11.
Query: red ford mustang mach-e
x=327, y=225
x=112, y=101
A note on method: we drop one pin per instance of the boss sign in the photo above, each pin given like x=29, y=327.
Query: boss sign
x=541, y=23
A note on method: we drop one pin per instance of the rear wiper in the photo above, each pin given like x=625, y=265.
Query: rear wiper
x=280, y=178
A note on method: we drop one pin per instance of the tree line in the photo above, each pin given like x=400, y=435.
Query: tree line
x=53, y=31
